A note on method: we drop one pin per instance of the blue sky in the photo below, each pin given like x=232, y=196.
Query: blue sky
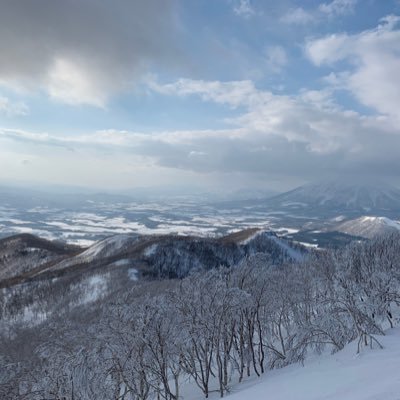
x=218, y=93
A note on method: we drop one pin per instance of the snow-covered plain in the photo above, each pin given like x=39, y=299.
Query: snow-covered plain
x=374, y=374
x=87, y=226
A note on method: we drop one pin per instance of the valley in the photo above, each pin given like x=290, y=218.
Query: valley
x=149, y=294
x=319, y=215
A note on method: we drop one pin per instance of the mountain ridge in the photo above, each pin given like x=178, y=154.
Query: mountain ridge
x=343, y=194
x=162, y=256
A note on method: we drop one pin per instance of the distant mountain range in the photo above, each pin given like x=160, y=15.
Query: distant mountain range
x=308, y=214
x=348, y=197
x=332, y=213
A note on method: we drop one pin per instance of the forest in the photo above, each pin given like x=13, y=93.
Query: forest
x=213, y=328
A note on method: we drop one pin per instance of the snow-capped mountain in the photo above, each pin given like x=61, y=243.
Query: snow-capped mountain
x=342, y=195
x=368, y=226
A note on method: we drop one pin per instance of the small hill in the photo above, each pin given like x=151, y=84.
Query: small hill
x=20, y=254
x=368, y=226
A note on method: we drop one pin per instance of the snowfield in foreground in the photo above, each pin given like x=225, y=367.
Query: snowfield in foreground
x=371, y=375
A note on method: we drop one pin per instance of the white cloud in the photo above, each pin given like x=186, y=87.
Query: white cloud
x=72, y=84
x=244, y=9
x=329, y=49
x=12, y=109
x=308, y=128
x=309, y=117
x=195, y=153
x=277, y=58
x=233, y=93
x=298, y=16
x=338, y=7
x=84, y=52
x=372, y=72
x=320, y=99
x=305, y=135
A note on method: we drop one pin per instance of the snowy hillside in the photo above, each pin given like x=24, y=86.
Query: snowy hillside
x=244, y=331
x=370, y=375
x=368, y=226
x=20, y=253
x=106, y=248
x=161, y=256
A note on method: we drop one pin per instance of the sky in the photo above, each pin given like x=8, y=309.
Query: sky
x=212, y=94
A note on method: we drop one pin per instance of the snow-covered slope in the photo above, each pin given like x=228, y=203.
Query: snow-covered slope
x=368, y=226
x=371, y=375
x=105, y=248
x=343, y=195
x=294, y=254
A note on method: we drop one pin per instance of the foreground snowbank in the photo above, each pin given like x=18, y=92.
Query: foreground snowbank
x=372, y=375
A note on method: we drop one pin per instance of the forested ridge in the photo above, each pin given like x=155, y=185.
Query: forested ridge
x=220, y=325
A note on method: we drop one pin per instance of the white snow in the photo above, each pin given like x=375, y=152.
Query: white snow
x=294, y=254
x=149, y=251
x=113, y=243
x=251, y=237
x=310, y=245
x=101, y=249
x=96, y=286
x=121, y=263
x=387, y=221
x=368, y=226
x=339, y=218
x=374, y=374
x=285, y=230
x=15, y=221
x=81, y=242
x=133, y=274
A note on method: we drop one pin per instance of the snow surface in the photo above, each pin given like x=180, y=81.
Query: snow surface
x=133, y=274
x=374, y=374
x=368, y=226
x=114, y=243
x=122, y=263
x=384, y=220
x=251, y=237
x=96, y=286
x=309, y=245
x=284, y=230
x=149, y=251
x=103, y=248
x=293, y=253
